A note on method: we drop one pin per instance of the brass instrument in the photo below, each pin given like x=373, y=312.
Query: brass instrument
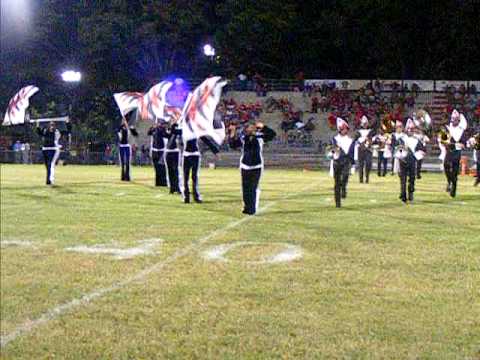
x=332, y=152
x=476, y=141
x=401, y=152
x=444, y=137
x=387, y=125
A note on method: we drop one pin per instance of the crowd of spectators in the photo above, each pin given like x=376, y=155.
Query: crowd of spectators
x=467, y=101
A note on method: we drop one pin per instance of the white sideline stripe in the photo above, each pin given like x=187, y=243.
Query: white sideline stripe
x=59, y=310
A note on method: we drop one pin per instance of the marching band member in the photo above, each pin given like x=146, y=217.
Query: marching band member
x=474, y=142
x=396, y=137
x=173, y=159
x=342, y=154
x=251, y=161
x=420, y=135
x=125, y=153
x=159, y=136
x=409, y=150
x=51, y=146
x=383, y=142
x=454, y=140
x=364, y=147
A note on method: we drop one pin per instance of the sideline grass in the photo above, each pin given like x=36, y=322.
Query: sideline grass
x=378, y=279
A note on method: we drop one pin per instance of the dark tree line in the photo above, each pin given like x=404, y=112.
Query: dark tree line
x=121, y=44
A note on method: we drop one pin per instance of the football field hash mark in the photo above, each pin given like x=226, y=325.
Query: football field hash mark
x=146, y=247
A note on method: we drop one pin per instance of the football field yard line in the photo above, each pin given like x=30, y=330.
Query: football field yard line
x=59, y=310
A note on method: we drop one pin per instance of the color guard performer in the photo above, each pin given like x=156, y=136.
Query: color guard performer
x=51, y=146
x=409, y=150
x=159, y=137
x=191, y=164
x=341, y=152
x=251, y=161
x=172, y=160
x=124, y=148
x=364, y=147
x=453, y=138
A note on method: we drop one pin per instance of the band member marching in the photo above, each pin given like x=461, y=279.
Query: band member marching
x=454, y=141
x=51, y=146
x=172, y=159
x=124, y=148
x=424, y=139
x=474, y=142
x=364, y=147
x=251, y=161
x=383, y=143
x=342, y=155
x=159, y=137
x=409, y=150
x=396, y=137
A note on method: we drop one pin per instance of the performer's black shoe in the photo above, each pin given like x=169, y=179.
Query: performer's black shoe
x=453, y=191
x=419, y=176
x=49, y=183
x=410, y=196
x=476, y=182
x=186, y=200
x=403, y=197
x=344, y=193
x=248, y=212
x=198, y=201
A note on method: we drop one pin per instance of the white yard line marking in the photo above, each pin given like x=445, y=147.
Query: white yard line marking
x=289, y=253
x=59, y=310
x=8, y=243
x=158, y=196
x=119, y=194
x=146, y=247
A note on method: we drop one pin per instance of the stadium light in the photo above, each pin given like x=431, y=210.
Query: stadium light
x=209, y=50
x=71, y=76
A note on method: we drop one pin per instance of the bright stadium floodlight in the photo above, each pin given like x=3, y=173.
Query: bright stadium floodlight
x=209, y=50
x=71, y=76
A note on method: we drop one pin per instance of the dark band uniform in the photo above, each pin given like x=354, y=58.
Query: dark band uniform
x=451, y=164
x=408, y=150
x=364, y=141
x=124, y=149
x=172, y=159
x=251, y=165
x=342, y=164
x=51, y=148
x=191, y=163
x=159, y=138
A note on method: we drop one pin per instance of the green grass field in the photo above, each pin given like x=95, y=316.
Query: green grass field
x=377, y=279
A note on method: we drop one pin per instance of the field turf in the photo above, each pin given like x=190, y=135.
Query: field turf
x=377, y=279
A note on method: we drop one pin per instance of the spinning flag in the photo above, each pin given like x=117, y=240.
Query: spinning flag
x=198, y=114
x=156, y=100
x=129, y=101
x=18, y=105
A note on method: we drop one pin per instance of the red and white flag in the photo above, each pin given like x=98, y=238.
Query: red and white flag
x=156, y=100
x=18, y=105
x=198, y=114
x=129, y=101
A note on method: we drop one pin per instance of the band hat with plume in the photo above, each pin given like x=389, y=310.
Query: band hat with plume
x=410, y=125
x=457, y=115
x=342, y=124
